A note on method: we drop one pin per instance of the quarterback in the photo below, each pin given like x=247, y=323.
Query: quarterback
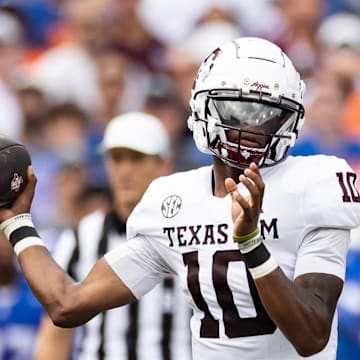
x=258, y=239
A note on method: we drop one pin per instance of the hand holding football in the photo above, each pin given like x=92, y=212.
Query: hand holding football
x=14, y=161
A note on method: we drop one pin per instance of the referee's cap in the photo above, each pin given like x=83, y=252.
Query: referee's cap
x=137, y=131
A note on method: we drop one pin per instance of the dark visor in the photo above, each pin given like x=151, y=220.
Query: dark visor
x=238, y=113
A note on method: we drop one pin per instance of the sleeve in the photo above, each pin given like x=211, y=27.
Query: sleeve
x=323, y=251
x=331, y=209
x=331, y=199
x=137, y=264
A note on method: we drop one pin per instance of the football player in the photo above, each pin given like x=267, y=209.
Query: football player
x=258, y=239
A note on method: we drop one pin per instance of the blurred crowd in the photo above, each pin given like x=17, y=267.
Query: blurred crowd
x=68, y=66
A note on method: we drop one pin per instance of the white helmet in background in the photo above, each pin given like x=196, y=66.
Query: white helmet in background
x=250, y=87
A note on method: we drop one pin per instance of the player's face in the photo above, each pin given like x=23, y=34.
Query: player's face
x=250, y=137
x=129, y=174
x=255, y=120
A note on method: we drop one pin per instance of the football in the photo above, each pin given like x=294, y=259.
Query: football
x=14, y=161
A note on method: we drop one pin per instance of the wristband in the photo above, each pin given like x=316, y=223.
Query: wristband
x=249, y=245
x=259, y=261
x=249, y=241
x=243, y=238
x=257, y=257
x=264, y=269
x=21, y=232
x=9, y=225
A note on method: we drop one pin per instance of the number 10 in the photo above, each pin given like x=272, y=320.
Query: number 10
x=350, y=192
x=234, y=325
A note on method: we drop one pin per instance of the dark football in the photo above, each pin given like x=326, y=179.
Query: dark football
x=14, y=161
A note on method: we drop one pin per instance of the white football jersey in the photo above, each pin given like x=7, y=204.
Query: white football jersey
x=310, y=205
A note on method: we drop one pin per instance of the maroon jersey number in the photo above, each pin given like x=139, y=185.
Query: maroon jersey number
x=234, y=325
x=347, y=183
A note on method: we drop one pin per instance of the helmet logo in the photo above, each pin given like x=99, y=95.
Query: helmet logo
x=16, y=182
x=245, y=154
x=259, y=87
x=207, y=66
x=171, y=206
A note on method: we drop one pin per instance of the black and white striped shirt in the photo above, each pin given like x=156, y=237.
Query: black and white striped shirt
x=157, y=327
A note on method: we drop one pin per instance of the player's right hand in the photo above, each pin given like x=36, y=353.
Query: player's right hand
x=245, y=210
x=22, y=204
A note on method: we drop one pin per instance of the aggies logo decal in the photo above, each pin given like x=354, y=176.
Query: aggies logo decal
x=206, y=66
x=171, y=206
x=16, y=182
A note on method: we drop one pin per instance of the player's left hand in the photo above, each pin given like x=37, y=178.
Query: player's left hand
x=245, y=210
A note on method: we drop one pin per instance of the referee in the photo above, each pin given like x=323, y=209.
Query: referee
x=157, y=327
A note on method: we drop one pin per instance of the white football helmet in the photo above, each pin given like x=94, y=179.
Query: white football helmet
x=246, y=103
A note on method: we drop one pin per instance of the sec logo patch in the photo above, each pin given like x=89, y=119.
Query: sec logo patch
x=171, y=206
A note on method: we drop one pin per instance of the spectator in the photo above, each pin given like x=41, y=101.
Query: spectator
x=324, y=131
x=112, y=76
x=300, y=20
x=170, y=110
x=34, y=108
x=332, y=118
x=67, y=71
x=64, y=142
x=341, y=56
x=11, y=53
x=127, y=32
